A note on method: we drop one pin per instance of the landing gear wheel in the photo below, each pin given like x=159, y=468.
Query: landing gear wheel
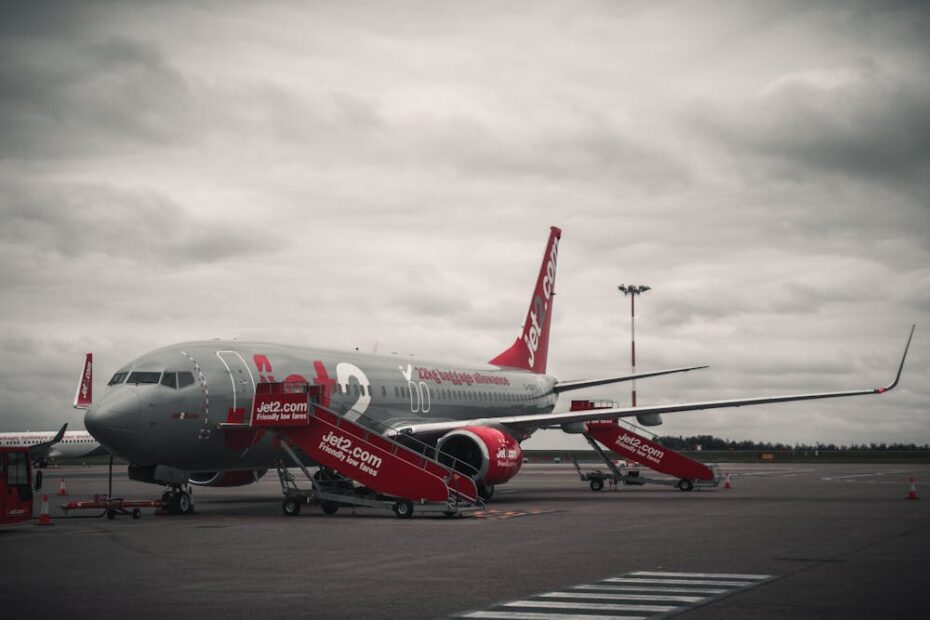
x=329, y=508
x=403, y=509
x=111, y=514
x=291, y=507
x=182, y=503
x=485, y=491
x=136, y=514
x=685, y=485
x=597, y=484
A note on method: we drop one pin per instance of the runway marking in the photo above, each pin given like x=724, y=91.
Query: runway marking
x=597, y=588
x=713, y=575
x=876, y=473
x=674, y=598
x=509, y=514
x=528, y=615
x=772, y=473
x=642, y=594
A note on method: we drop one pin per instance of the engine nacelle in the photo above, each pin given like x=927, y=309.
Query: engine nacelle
x=235, y=478
x=493, y=453
x=649, y=419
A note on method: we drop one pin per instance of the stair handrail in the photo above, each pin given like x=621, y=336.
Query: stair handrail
x=388, y=433
x=638, y=429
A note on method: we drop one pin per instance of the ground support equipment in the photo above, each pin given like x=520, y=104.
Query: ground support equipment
x=631, y=442
x=113, y=506
x=359, y=464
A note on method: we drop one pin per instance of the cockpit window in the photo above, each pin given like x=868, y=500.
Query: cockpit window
x=144, y=377
x=118, y=378
x=177, y=380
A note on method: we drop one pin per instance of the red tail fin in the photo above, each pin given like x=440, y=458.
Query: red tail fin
x=85, y=390
x=532, y=347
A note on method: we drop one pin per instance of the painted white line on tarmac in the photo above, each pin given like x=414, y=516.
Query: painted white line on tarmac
x=531, y=615
x=702, y=575
x=650, y=589
x=637, y=595
x=680, y=582
x=592, y=606
x=874, y=473
x=671, y=598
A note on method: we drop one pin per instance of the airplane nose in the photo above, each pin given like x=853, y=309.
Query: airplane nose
x=114, y=420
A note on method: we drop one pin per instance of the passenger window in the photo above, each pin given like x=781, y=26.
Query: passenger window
x=169, y=379
x=185, y=379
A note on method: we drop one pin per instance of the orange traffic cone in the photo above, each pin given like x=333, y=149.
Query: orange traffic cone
x=912, y=494
x=61, y=488
x=43, y=517
x=726, y=483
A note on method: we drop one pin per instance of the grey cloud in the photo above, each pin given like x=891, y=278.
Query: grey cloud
x=859, y=121
x=73, y=219
x=62, y=98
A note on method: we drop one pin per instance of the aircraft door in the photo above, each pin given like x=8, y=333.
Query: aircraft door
x=240, y=376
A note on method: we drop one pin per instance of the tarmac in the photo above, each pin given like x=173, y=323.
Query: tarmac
x=792, y=540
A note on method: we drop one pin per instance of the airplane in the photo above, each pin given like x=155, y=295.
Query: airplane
x=168, y=411
x=46, y=446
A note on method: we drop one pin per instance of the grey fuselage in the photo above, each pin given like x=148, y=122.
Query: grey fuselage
x=176, y=425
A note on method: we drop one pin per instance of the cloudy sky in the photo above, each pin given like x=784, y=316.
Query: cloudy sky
x=369, y=174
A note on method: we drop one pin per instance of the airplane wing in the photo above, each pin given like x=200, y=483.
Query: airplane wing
x=531, y=422
x=565, y=386
x=41, y=450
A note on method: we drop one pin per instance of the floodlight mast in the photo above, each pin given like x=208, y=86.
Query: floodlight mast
x=632, y=291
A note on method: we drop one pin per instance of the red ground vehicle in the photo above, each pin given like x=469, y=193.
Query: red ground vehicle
x=16, y=485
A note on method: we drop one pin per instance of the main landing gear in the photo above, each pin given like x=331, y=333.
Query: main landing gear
x=178, y=501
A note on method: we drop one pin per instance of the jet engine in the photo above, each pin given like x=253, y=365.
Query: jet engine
x=235, y=478
x=495, y=455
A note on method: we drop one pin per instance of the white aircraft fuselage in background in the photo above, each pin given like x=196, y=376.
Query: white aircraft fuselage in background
x=74, y=444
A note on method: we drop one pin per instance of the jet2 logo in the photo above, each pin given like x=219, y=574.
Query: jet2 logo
x=85, y=384
x=342, y=448
x=540, y=307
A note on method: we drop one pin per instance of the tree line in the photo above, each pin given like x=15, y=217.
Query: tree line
x=709, y=442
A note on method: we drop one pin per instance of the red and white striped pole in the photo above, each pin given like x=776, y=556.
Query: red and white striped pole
x=633, y=290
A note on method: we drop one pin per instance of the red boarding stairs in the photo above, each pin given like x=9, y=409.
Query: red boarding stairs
x=360, y=465
x=620, y=437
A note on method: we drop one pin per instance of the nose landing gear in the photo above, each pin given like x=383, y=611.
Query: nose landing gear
x=178, y=501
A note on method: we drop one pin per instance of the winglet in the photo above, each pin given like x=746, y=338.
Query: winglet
x=901, y=367
x=83, y=397
x=60, y=435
